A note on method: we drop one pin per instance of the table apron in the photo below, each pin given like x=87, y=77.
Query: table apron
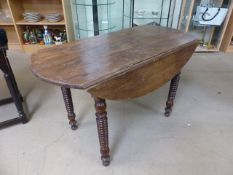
x=145, y=79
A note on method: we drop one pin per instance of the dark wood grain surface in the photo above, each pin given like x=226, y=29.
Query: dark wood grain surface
x=120, y=65
x=144, y=79
x=85, y=63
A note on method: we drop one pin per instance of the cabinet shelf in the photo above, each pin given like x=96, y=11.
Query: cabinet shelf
x=227, y=45
x=42, y=22
x=101, y=29
x=103, y=26
x=35, y=47
x=99, y=3
x=6, y=23
x=145, y=16
x=13, y=9
x=205, y=49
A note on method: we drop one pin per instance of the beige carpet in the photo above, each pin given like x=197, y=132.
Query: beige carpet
x=196, y=139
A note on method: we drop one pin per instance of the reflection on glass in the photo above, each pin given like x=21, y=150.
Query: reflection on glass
x=152, y=12
x=208, y=35
x=96, y=17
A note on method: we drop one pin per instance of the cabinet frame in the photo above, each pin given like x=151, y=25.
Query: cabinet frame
x=226, y=45
x=221, y=40
x=16, y=7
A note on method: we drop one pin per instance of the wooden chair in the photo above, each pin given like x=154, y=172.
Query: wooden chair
x=12, y=85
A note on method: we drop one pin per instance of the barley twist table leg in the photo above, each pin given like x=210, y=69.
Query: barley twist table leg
x=172, y=93
x=69, y=107
x=102, y=126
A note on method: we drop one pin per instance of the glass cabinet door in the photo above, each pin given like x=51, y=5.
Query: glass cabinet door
x=127, y=13
x=152, y=12
x=209, y=35
x=95, y=17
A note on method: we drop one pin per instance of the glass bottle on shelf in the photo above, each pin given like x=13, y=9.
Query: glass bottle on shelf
x=47, y=36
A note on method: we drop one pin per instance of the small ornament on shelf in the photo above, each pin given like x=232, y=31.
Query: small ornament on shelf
x=58, y=39
x=47, y=36
x=64, y=37
x=32, y=38
x=26, y=34
x=44, y=36
x=155, y=14
x=140, y=13
x=39, y=34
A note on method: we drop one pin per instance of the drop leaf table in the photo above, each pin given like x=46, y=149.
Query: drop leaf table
x=116, y=66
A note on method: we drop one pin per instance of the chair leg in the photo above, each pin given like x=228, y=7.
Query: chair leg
x=15, y=86
x=102, y=126
x=16, y=97
x=171, y=95
x=69, y=107
x=12, y=77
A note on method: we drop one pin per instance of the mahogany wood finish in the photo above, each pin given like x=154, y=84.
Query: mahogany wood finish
x=102, y=127
x=172, y=94
x=69, y=107
x=120, y=65
x=86, y=63
x=145, y=79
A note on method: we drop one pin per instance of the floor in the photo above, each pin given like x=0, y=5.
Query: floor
x=196, y=139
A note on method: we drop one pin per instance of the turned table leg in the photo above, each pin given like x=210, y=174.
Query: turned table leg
x=172, y=93
x=69, y=107
x=102, y=126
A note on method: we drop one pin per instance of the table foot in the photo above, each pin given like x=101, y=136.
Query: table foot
x=73, y=125
x=105, y=161
x=102, y=126
x=171, y=96
x=23, y=117
x=69, y=107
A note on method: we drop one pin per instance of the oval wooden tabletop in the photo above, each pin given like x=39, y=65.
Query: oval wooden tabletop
x=85, y=63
